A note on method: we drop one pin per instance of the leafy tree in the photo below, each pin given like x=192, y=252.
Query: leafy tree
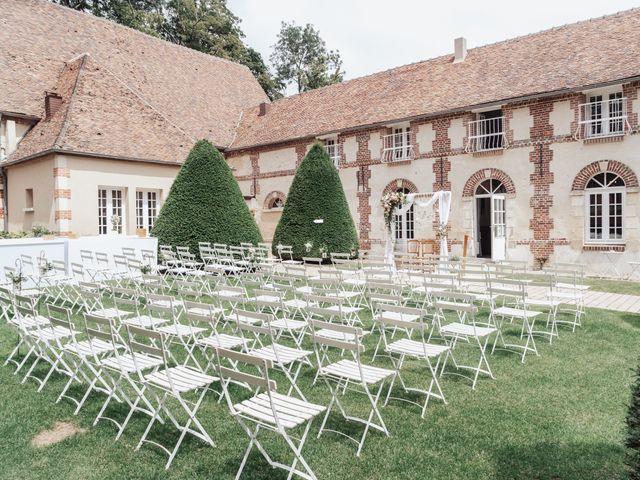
x=204, y=25
x=316, y=193
x=205, y=204
x=632, y=442
x=300, y=56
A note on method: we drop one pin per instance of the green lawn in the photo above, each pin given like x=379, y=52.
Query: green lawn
x=613, y=286
x=559, y=416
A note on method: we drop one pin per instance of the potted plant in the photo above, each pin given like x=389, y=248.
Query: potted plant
x=115, y=224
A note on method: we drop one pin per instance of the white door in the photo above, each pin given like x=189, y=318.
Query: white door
x=403, y=229
x=498, y=227
x=147, y=207
x=111, y=211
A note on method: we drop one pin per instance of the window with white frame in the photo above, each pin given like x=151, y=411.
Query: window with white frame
x=605, y=208
x=111, y=211
x=604, y=115
x=397, y=145
x=486, y=132
x=147, y=207
x=333, y=149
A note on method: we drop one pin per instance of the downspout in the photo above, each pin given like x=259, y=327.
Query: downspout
x=5, y=210
x=5, y=186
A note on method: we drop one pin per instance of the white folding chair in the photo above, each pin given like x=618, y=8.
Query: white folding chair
x=259, y=340
x=268, y=410
x=350, y=375
x=176, y=383
x=122, y=371
x=47, y=342
x=84, y=357
x=509, y=305
x=465, y=330
x=404, y=321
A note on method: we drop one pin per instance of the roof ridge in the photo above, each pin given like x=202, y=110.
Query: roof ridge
x=65, y=122
x=144, y=34
x=440, y=57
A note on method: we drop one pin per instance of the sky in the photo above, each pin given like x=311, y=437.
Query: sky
x=376, y=35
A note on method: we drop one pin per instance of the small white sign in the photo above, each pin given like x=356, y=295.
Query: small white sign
x=319, y=220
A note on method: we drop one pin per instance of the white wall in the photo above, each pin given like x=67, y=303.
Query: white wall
x=68, y=250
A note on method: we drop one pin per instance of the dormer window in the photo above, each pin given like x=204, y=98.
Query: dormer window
x=486, y=132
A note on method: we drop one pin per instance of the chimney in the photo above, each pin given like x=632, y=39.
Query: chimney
x=460, y=49
x=52, y=102
x=264, y=108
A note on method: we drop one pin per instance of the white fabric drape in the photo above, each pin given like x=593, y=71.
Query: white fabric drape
x=444, y=201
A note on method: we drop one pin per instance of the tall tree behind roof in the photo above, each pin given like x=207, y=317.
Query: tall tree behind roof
x=204, y=25
x=300, y=57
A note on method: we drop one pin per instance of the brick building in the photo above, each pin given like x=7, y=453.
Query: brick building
x=536, y=137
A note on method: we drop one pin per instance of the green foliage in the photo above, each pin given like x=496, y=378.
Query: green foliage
x=300, y=56
x=316, y=193
x=632, y=458
x=205, y=204
x=205, y=25
x=36, y=231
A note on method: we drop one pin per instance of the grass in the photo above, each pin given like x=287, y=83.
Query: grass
x=613, y=286
x=559, y=416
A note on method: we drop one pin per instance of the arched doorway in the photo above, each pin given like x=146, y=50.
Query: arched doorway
x=403, y=226
x=491, y=219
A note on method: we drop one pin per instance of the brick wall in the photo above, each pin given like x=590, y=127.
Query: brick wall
x=441, y=157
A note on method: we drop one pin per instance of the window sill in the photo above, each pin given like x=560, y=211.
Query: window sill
x=487, y=153
x=28, y=210
x=608, y=139
x=404, y=161
x=604, y=247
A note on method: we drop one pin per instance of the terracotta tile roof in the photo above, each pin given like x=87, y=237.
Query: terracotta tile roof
x=101, y=115
x=201, y=94
x=572, y=56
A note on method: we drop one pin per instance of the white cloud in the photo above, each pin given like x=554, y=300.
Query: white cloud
x=375, y=35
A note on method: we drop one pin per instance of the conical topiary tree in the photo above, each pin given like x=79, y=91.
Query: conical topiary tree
x=316, y=193
x=205, y=204
x=632, y=442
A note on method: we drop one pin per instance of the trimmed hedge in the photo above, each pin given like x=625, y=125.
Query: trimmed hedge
x=632, y=458
x=205, y=204
x=316, y=193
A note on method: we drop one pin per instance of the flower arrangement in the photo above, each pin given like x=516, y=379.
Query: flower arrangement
x=115, y=222
x=252, y=256
x=441, y=231
x=17, y=278
x=353, y=251
x=45, y=267
x=145, y=269
x=389, y=203
x=308, y=246
x=323, y=250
